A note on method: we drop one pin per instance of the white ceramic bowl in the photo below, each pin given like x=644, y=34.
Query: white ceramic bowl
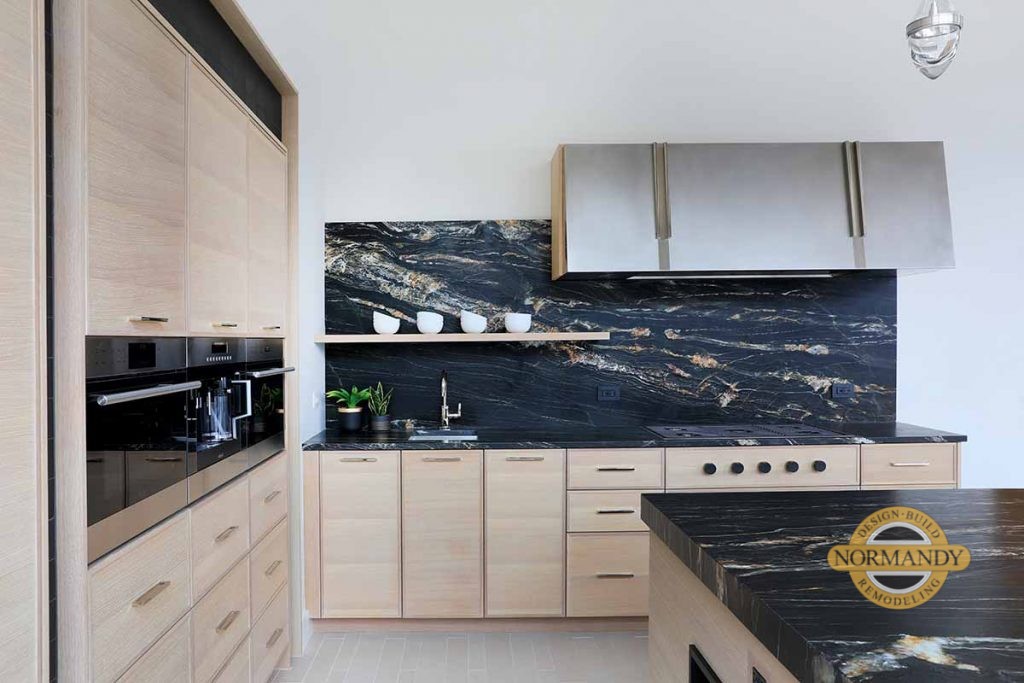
x=472, y=323
x=384, y=324
x=518, y=322
x=429, y=323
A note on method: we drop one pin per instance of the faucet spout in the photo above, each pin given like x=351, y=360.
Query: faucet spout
x=447, y=415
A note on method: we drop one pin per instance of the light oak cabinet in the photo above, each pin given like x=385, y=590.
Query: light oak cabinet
x=217, y=208
x=442, y=534
x=607, y=575
x=169, y=661
x=219, y=534
x=136, y=173
x=525, y=531
x=920, y=465
x=268, y=235
x=360, y=543
x=220, y=621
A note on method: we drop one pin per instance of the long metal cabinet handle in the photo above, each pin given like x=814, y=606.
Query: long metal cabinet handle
x=271, y=496
x=615, y=575
x=357, y=459
x=158, y=459
x=271, y=327
x=272, y=568
x=226, y=622
x=909, y=464
x=260, y=374
x=525, y=458
x=453, y=459
x=662, y=211
x=148, y=319
x=617, y=511
x=274, y=637
x=149, y=392
x=225, y=324
x=854, y=187
x=226, y=534
x=616, y=469
x=148, y=596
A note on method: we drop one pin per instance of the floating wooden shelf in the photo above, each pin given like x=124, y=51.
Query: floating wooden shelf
x=416, y=338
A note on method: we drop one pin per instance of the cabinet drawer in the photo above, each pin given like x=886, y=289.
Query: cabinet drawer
x=220, y=622
x=237, y=668
x=625, y=468
x=268, y=567
x=606, y=511
x=270, y=638
x=220, y=534
x=169, y=661
x=607, y=575
x=918, y=463
x=787, y=466
x=268, y=486
x=136, y=594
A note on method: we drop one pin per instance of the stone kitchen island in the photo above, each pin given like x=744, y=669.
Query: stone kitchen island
x=741, y=582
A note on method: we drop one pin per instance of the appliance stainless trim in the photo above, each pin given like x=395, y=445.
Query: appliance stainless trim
x=260, y=374
x=248, y=405
x=213, y=477
x=139, y=394
x=109, y=533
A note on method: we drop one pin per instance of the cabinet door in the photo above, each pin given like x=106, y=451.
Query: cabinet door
x=217, y=208
x=268, y=235
x=525, y=533
x=136, y=158
x=609, y=208
x=442, y=534
x=906, y=205
x=784, y=207
x=360, y=541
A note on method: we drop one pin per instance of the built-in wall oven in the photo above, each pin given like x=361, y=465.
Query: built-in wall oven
x=169, y=420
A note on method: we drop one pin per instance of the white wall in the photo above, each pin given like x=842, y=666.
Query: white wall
x=452, y=109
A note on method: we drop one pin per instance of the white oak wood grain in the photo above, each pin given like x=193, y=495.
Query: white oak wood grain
x=268, y=495
x=684, y=467
x=237, y=669
x=525, y=533
x=268, y=236
x=442, y=534
x=219, y=534
x=607, y=575
x=136, y=172
x=220, y=621
x=605, y=511
x=922, y=464
x=360, y=521
x=268, y=567
x=270, y=638
x=168, y=661
x=311, y=541
x=218, y=207
x=616, y=468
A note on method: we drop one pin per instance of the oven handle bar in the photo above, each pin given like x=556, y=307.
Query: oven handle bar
x=273, y=372
x=149, y=392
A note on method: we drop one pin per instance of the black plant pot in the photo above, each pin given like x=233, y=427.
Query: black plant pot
x=380, y=423
x=350, y=419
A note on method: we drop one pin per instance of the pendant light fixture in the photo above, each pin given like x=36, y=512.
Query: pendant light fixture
x=934, y=37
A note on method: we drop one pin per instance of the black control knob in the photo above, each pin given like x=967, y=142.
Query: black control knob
x=819, y=465
x=792, y=466
x=764, y=467
x=710, y=468
x=737, y=468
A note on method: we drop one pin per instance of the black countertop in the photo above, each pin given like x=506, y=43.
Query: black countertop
x=764, y=556
x=620, y=437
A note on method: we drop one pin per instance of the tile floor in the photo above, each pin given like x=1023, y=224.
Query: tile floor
x=398, y=657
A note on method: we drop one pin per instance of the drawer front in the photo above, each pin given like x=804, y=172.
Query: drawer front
x=607, y=575
x=591, y=511
x=918, y=463
x=220, y=622
x=268, y=488
x=220, y=534
x=685, y=467
x=268, y=567
x=169, y=661
x=623, y=468
x=136, y=594
x=237, y=669
x=270, y=638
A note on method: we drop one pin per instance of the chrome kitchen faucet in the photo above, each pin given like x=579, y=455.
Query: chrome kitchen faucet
x=446, y=415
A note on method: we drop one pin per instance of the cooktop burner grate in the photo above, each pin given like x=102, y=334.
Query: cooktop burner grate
x=767, y=431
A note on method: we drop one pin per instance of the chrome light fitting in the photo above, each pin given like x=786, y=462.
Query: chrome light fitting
x=934, y=37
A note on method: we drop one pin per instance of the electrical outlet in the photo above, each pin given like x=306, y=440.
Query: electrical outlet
x=842, y=390
x=608, y=392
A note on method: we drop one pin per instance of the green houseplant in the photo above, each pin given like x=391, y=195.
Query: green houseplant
x=350, y=413
x=379, y=401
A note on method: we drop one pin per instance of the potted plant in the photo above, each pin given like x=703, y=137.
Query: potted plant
x=378, y=403
x=349, y=411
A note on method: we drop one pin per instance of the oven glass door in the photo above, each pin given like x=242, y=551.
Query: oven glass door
x=221, y=407
x=267, y=423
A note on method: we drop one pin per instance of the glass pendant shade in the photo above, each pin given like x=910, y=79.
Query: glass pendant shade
x=934, y=37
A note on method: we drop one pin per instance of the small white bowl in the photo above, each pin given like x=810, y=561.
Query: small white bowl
x=429, y=323
x=518, y=322
x=384, y=324
x=472, y=323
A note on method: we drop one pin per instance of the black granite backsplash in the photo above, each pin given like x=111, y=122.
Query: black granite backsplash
x=680, y=350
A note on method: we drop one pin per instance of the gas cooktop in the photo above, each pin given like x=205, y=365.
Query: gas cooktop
x=765, y=431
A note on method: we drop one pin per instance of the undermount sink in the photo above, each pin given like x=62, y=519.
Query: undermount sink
x=443, y=435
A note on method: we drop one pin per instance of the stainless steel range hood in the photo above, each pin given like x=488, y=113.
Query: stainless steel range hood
x=748, y=210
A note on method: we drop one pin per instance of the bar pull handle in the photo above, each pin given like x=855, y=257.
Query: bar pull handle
x=271, y=327
x=445, y=459
x=616, y=575
x=525, y=458
x=162, y=459
x=271, y=496
x=148, y=392
x=357, y=459
x=854, y=187
x=225, y=324
x=226, y=622
x=274, y=637
x=269, y=571
x=617, y=511
x=909, y=464
x=616, y=469
x=272, y=372
x=148, y=319
x=148, y=596
x=226, y=534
